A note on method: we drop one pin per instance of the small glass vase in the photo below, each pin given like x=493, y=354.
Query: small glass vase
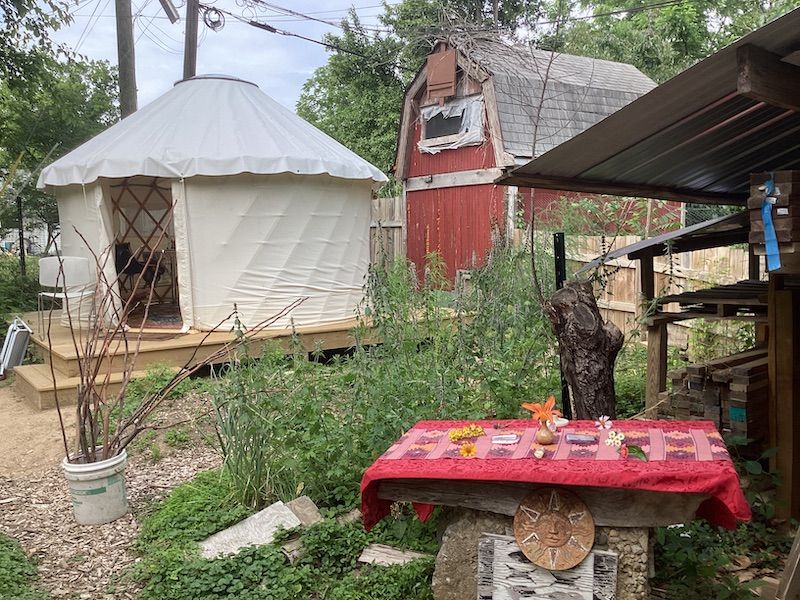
x=544, y=436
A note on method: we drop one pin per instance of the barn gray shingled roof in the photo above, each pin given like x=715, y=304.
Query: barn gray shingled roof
x=580, y=92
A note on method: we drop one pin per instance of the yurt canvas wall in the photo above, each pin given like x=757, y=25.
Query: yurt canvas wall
x=261, y=242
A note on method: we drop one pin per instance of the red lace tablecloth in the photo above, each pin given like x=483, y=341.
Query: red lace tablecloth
x=683, y=457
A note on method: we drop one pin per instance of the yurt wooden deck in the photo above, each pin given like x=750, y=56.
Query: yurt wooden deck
x=38, y=385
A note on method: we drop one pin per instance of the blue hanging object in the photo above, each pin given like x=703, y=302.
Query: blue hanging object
x=770, y=239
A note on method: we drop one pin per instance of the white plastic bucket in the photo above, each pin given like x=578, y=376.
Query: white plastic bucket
x=97, y=489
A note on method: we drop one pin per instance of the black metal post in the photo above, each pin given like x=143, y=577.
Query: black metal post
x=22, y=268
x=560, y=256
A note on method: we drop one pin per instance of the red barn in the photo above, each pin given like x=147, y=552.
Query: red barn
x=477, y=108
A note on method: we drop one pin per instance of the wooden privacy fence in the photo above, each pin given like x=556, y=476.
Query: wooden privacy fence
x=619, y=298
x=387, y=229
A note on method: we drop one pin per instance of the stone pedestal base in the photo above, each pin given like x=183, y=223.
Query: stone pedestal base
x=456, y=573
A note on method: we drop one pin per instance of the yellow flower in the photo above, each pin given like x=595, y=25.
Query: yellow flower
x=469, y=431
x=468, y=450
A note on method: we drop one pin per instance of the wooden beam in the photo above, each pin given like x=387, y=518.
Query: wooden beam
x=593, y=186
x=610, y=507
x=647, y=277
x=764, y=77
x=784, y=397
x=753, y=264
x=656, y=366
x=457, y=179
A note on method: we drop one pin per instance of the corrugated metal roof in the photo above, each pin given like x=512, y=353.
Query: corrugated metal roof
x=692, y=138
x=722, y=231
x=580, y=91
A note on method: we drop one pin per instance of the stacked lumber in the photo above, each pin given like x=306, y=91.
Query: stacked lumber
x=785, y=211
x=747, y=401
x=731, y=391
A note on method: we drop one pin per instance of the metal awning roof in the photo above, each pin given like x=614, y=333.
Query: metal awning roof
x=722, y=231
x=695, y=138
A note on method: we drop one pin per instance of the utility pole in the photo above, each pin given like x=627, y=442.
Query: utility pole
x=190, y=41
x=126, y=59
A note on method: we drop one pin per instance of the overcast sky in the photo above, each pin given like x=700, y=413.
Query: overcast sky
x=278, y=64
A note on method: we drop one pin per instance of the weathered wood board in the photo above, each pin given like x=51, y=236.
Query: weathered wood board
x=504, y=573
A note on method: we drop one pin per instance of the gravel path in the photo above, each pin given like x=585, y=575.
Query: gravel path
x=87, y=561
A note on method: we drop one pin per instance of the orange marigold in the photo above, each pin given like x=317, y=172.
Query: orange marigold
x=468, y=450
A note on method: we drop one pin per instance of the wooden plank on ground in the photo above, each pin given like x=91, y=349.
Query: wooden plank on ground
x=381, y=554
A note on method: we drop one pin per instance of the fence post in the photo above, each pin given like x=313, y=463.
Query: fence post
x=560, y=257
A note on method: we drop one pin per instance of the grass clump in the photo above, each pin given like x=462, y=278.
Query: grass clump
x=17, y=573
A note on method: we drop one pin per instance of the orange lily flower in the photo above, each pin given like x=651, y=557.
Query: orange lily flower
x=543, y=412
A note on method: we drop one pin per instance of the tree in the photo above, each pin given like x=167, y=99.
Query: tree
x=664, y=40
x=25, y=43
x=355, y=98
x=44, y=117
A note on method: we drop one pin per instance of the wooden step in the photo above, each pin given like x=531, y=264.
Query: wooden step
x=35, y=384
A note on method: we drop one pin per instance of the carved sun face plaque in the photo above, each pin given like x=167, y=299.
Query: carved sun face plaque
x=554, y=529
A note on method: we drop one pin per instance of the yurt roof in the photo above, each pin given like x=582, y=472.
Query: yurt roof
x=209, y=125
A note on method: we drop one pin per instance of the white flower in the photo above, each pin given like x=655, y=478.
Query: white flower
x=603, y=422
x=538, y=453
x=615, y=438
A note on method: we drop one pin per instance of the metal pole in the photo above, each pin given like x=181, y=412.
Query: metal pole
x=126, y=58
x=560, y=257
x=22, y=268
x=190, y=41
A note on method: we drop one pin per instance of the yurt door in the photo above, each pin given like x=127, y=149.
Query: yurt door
x=142, y=210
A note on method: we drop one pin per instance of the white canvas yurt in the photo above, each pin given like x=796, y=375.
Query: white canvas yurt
x=243, y=201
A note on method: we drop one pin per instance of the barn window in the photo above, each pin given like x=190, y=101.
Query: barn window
x=441, y=125
x=452, y=125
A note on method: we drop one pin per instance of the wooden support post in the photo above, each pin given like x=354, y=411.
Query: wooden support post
x=753, y=264
x=647, y=277
x=126, y=58
x=784, y=388
x=656, y=366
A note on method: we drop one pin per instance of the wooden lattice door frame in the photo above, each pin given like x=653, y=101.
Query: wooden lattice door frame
x=160, y=239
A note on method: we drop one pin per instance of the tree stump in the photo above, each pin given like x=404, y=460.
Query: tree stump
x=588, y=346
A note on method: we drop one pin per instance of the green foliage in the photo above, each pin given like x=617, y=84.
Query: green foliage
x=406, y=582
x=18, y=292
x=170, y=567
x=192, y=512
x=25, y=42
x=45, y=116
x=694, y=560
x=288, y=424
x=177, y=438
x=356, y=98
x=660, y=42
x=713, y=339
x=17, y=573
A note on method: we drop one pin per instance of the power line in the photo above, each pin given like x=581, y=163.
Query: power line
x=269, y=28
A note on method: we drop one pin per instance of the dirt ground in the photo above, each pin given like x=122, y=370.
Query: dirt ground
x=79, y=562
x=30, y=439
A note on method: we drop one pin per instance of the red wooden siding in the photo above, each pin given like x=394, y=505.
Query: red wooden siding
x=455, y=222
x=449, y=161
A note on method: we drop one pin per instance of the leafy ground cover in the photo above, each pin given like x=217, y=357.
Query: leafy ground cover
x=171, y=567
x=17, y=573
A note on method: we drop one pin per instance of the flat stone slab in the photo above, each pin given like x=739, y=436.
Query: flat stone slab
x=256, y=530
x=305, y=510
